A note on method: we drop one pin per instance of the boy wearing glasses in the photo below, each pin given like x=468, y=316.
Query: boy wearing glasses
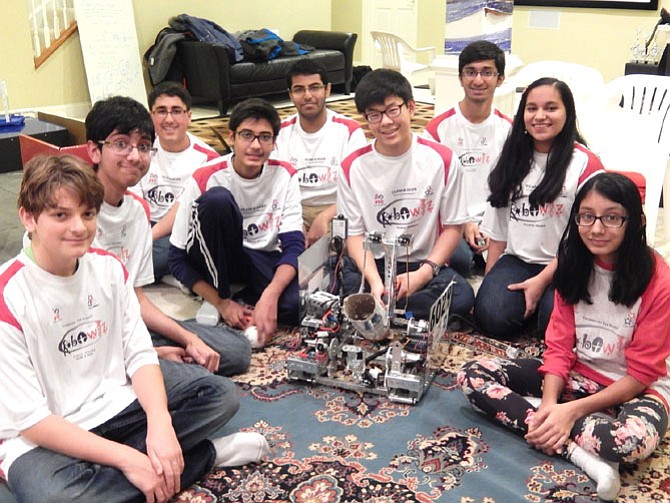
x=239, y=221
x=475, y=131
x=178, y=155
x=315, y=140
x=120, y=136
x=402, y=184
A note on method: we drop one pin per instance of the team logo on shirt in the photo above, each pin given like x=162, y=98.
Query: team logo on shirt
x=469, y=159
x=153, y=177
x=255, y=231
x=161, y=195
x=630, y=320
x=91, y=302
x=403, y=212
x=526, y=212
x=318, y=175
x=82, y=337
x=56, y=313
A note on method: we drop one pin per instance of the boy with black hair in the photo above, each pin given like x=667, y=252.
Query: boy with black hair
x=89, y=415
x=239, y=221
x=476, y=132
x=316, y=140
x=402, y=184
x=120, y=135
x=178, y=155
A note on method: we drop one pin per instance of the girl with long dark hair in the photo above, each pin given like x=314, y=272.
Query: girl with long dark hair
x=603, y=383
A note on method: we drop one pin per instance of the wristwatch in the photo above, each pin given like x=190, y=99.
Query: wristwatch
x=433, y=266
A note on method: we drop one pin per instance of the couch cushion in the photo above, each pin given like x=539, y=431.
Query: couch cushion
x=245, y=72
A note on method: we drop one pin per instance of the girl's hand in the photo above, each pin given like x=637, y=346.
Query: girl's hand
x=549, y=428
x=532, y=288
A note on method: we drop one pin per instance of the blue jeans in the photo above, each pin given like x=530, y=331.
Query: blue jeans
x=199, y=402
x=420, y=302
x=462, y=260
x=159, y=255
x=232, y=345
x=499, y=311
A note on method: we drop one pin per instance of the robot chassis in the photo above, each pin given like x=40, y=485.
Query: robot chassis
x=350, y=343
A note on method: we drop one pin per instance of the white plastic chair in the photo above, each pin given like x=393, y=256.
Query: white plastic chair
x=394, y=51
x=625, y=141
x=584, y=82
x=647, y=96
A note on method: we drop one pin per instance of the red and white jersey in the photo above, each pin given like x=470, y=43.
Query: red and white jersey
x=125, y=231
x=415, y=193
x=269, y=203
x=605, y=341
x=477, y=147
x=532, y=233
x=168, y=172
x=70, y=346
x=317, y=156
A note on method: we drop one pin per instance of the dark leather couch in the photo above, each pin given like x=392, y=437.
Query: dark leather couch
x=211, y=78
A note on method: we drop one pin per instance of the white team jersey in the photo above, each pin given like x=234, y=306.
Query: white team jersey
x=269, y=204
x=168, y=172
x=317, y=156
x=477, y=147
x=70, y=346
x=125, y=231
x=415, y=193
x=532, y=233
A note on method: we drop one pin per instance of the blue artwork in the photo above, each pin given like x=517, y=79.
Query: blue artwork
x=470, y=20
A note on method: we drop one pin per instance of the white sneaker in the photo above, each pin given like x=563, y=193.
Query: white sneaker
x=605, y=473
x=240, y=448
x=170, y=280
x=208, y=314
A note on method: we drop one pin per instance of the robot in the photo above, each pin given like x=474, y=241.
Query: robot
x=355, y=343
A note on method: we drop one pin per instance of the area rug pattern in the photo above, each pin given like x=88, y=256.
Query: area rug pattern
x=211, y=130
x=332, y=445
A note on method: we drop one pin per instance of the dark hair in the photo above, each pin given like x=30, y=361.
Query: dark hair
x=517, y=153
x=379, y=84
x=172, y=89
x=634, y=265
x=481, y=50
x=306, y=66
x=43, y=175
x=254, y=108
x=118, y=113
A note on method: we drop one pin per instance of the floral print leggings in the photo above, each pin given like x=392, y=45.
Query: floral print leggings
x=628, y=433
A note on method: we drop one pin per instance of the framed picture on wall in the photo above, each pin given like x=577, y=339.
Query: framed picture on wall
x=593, y=4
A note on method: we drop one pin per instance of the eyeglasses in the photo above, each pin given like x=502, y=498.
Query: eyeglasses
x=249, y=137
x=300, y=90
x=471, y=73
x=391, y=112
x=122, y=147
x=174, y=112
x=611, y=220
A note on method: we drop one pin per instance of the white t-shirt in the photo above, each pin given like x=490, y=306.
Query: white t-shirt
x=269, y=204
x=533, y=233
x=415, y=193
x=477, y=147
x=317, y=156
x=125, y=231
x=70, y=346
x=168, y=172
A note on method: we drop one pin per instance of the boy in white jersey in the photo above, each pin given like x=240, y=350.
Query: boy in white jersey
x=178, y=155
x=402, y=184
x=315, y=140
x=88, y=415
x=120, y=136
x=239, y=221
x=476, y=132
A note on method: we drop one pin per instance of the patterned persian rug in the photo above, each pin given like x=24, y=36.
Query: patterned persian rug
x=331, y=445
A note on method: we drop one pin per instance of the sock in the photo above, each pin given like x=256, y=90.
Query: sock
x=605, y=473
x=207, y=314
x=240, y=448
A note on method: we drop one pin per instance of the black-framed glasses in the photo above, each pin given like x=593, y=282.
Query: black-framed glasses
x=123, y=147
x=174, y=112
x=611, y=220
x=391, y=112
x=249, y=137
x=471, y=73
x=300, y=90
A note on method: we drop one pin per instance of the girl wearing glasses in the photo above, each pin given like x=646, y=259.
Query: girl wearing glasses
x=603, y=387
x=532, y=187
